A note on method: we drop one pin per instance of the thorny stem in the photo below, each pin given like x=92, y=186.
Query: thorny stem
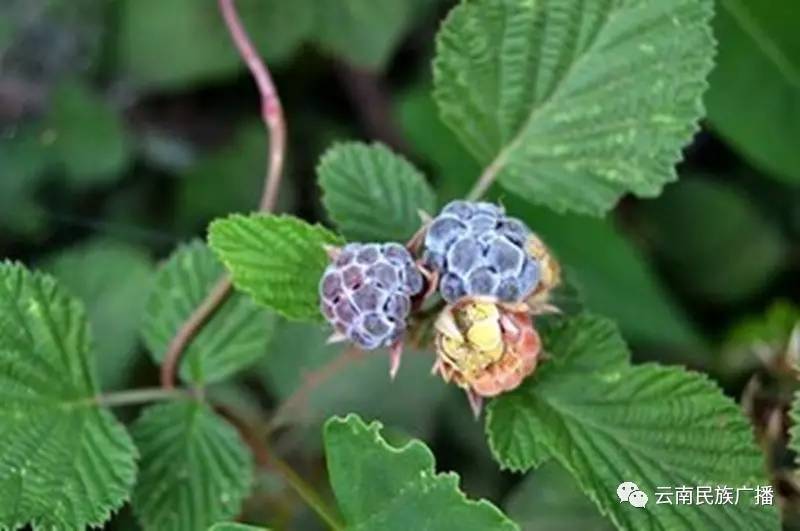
x=140, y=396
x=272, y=115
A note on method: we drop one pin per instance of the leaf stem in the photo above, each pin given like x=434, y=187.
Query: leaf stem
x=140, y=396
x=272, y=115
x=306, y=492
x=487, y=178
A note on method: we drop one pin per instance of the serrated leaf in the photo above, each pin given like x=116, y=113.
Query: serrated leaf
x=607, y=422
x=65, y=463
x=575, y=103
x=379, y=486
x=613, y=276
x=237, y=334
x=89, y=139
x=363, y=32
x=158, y=44
x=232, y=526
x=195, y=470
x=94, y=271
x=278, y=260
x=758, y=63
x=714, y=240
x=373, y=194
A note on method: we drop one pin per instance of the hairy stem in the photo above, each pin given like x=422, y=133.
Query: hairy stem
x=140, y=396
x=272, y=115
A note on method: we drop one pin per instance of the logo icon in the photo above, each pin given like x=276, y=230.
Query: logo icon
x=628, y=491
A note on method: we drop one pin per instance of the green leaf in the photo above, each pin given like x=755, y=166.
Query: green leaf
x=714, y=240
x=232, y=526
x=159, y=44
x=299, y=349
x=607, y=422
x=278, y=260
x=89, y=138
x=758, y=61
x=65, y=463
x=94, y=271
x=454, y=170
x=235, y=337
x=575, y=103
x=195, y=470
x=363, y=32
x=613, y=276
x=373, y=194
x=548, y=499
x=376, y=484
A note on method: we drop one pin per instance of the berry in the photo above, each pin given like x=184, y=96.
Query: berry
x=484, y=347
x=479, y=251
x=365, y=293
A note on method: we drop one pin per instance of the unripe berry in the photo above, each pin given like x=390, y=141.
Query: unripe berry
x=485, y=347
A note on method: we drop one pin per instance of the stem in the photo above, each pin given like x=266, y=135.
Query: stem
x=306, y=492
x=272, y=115
x=140, y=396
x=487, y=178
x=271, y=108
x=190, y=329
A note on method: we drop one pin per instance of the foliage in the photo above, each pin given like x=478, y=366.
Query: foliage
x=356, y=177
x=66, y=462
x=130, y=132
x=375, y=484
x=115, y=309
x=574, y=117
x=235, y=337
x=606, y=421
x=758, y=61
x=195, y=470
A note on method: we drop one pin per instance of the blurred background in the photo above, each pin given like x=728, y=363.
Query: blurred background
x=127, y=125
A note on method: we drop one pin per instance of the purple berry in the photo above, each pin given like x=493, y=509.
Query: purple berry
x=463, y=254
x=460, y=209
x=367, y=294
x=452, y=287
x=478, y=250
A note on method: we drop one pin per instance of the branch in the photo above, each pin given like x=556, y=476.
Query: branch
x=272, y=115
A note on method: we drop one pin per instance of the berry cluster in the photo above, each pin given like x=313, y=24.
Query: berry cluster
x=365, y=292
x=479, y=251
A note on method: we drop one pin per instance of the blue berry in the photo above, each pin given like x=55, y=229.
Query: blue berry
x=478, y=250
x=365, y=293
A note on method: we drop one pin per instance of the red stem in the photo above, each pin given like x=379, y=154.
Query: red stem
x=272, y=114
